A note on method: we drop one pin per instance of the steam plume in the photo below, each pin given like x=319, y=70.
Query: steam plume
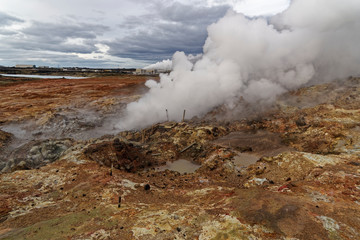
x=163, y=65
x=256, y=60
x=167, y=64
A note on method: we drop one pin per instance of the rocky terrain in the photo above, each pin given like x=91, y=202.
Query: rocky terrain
x=293, y=173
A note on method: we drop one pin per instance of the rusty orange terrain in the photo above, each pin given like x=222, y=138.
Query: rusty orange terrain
x=25, y=100
x=293, y=173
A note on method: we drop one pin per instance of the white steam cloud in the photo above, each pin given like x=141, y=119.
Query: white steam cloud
x=163, y=65
x=166, y=65
x=256, y=60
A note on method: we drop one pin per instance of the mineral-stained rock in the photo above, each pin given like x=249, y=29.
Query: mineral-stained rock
x=4, y=138
x=36, y=154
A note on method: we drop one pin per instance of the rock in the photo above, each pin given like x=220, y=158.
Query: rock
x=300, y=122
x=4, y=138
x=36, y=154
x=21, y=166
x=6, y=169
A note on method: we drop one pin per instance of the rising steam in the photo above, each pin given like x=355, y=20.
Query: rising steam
x=163, y=65
x=256, y=60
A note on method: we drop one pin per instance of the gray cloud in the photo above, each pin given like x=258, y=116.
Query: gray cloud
x=7, y=32
x=186, y=14
x=55, y=36
x=151, y=34
x=6, y=19
x=160, y=44
x=170, y=28
x=61, y=30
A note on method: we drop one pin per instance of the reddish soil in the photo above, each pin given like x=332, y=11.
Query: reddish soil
x=24, y=100
x=305, y=185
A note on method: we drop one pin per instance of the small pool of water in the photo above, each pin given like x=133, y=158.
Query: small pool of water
x=182, y=166
x=245, y=159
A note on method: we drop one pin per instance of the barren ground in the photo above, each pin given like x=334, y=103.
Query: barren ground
x=294, y=173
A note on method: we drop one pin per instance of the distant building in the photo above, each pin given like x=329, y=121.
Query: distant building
x=151, y=71
x=24, y=66
x=140, y=71
x=43, y=67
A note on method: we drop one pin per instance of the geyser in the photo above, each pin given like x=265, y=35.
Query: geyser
x=256, y=60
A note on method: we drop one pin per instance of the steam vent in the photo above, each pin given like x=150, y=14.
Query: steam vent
x=292, y=172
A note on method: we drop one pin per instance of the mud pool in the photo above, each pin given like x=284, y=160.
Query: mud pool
x=245, y=159
x=182, y=166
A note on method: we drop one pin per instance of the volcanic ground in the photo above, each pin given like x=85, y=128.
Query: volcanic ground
x=66, y=173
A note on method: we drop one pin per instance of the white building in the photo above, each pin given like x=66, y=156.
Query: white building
x=24, y=66
x=140, y=71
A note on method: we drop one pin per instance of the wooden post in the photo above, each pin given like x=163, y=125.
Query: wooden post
x=167, y=115
x=119, y=203
x=184, y=115
x=183, y=150
x=111, y=169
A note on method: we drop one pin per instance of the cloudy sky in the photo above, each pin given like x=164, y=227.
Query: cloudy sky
x=111, y=33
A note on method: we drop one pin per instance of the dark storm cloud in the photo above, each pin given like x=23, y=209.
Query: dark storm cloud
x=171, y=28
x=6, y=19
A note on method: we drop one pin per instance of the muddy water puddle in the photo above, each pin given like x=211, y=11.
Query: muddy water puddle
x=182, y=166
x=245, y=159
